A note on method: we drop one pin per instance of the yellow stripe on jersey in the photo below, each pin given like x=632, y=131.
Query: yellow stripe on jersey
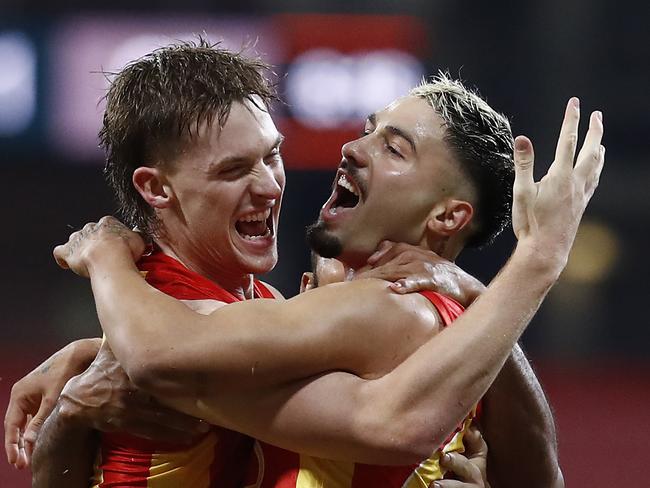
x=430, y=470
x=321, y=473
x=189, y=468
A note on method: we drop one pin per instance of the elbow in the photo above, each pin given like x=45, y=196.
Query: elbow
x=149, y=372
x=403, y=439
x=145, y=375
x=422, y=439
x=406, y=445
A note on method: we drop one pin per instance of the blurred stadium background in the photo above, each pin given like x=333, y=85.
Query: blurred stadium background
x=336, y=62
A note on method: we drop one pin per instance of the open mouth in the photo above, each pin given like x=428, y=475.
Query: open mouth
x=256, y=226
x=346, y=193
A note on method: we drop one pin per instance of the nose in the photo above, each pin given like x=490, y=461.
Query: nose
x=269, y=183
x=355, y=152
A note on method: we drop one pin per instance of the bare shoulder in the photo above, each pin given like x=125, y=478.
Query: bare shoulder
x=276, y=293
x=389, y=327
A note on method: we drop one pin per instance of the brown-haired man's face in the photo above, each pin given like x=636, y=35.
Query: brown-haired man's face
x=228, y=185
x=388, y=182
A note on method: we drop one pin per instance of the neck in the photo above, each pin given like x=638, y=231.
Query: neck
x=446, y=248
x=240, y=285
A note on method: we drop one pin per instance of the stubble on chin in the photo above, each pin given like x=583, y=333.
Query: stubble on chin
x=323, y=242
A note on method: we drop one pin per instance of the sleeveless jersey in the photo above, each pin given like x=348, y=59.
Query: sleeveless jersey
x=273, y=467
x=216, y=460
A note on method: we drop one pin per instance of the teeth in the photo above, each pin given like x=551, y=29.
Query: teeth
x=256, y=238
x=256, y=217
x=343, y=181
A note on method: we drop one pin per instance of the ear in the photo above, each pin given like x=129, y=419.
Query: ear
x=152, y=186
x=307, y=281
x=450, y=217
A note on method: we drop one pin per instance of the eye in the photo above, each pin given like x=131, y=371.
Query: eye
x=394, y=151
x=234, y=171
x=275, y=156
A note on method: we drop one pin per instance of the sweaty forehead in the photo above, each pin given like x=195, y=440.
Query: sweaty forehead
x=248, y=131
x=415, y=115
x=247, y=123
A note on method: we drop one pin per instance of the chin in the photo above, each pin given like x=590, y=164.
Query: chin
x=322, y=241
x=260, y=265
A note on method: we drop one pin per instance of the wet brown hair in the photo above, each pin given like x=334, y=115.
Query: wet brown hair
x=157, y=103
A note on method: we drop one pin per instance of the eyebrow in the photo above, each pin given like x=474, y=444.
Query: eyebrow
x=236, y=159
x=372, y=118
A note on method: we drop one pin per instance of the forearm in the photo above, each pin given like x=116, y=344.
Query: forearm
x=83, y=352
x=63, y=455
x=516, y=413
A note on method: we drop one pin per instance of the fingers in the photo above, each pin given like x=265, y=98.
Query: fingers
x=524, y=185
x=593, y=179
x=412, y=284
x=21, y=462
x=383, y=248
x=36, y=423
x=454, y=484
x=524, y=188
x=12, y=435
x=29, y=453
x=390, y=251
x=461, y=466
x=592, y=155
x=568, y=140
x=474, y=443
x=403, y=253
x=389, y=272
x=14, y=423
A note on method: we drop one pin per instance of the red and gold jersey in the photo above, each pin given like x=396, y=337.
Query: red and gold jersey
x=219, y=458
x=272, y=467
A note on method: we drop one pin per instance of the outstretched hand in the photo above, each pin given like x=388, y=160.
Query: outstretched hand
x=109, y=235
x=546, y=214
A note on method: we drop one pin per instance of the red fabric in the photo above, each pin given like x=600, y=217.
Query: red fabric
x=126, y=459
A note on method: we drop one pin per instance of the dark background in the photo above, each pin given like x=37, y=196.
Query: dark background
x=589, y=341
